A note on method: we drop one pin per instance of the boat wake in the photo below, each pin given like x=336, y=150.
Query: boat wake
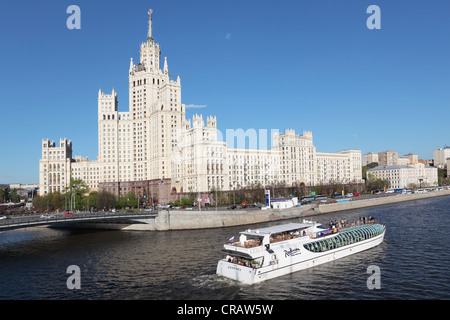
x=213, y=281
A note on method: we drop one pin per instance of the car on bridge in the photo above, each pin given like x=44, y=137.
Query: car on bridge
x=68, y=213
x=47, y=216
x=3, y=217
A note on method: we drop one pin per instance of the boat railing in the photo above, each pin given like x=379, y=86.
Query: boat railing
x=251, y=243
x=247, y=244
x=284, y=237
x=343, y=225
x=346, y=225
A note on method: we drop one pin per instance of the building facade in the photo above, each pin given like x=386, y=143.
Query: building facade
x=408, y=159
x=390, y=158
x=387, y=158
x=55, y=166
x=448, y=166
x=440, y=157
x=153, y=142
x=370, y=157
x=403, y=176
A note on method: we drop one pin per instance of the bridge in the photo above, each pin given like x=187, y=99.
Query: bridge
x=55, y=219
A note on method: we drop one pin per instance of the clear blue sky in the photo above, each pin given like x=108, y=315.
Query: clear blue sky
x=307, y=65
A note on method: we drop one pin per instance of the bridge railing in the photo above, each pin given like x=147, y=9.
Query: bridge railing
x=39, y=219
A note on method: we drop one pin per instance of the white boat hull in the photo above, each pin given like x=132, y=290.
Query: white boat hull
x=284, y=265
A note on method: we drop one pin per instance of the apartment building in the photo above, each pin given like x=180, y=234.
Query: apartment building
x=153, y=142
x=403, y=176
x=370, y=157
x=440, y=157
x=55, y=166
x=387, y=158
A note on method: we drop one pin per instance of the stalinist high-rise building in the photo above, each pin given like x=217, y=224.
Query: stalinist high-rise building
x=153, y=149
x=137, y=145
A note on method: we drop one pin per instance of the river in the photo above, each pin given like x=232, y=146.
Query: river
x=413, y=262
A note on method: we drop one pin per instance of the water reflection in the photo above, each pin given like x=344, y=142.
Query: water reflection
x=182, y=264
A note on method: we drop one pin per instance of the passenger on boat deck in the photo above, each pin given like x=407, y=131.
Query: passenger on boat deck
x=333, y=224
x=364, y=220
x=342, y=223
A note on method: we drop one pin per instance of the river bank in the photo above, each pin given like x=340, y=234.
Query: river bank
x=185, y=220
x=386, y=199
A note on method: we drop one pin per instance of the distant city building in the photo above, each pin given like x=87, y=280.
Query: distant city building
x=55, y=166
x=426, y=162
x=390, y=158
x=387, y=158
x=448, y=171
x=23, y=186
x=408, y=159
x=403, y=176
x=25, y=190
x=370, y=157
x=440, y=157
x=155, y=152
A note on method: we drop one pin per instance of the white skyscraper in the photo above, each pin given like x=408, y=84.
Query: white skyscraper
x=153, y=140
x=137, y=145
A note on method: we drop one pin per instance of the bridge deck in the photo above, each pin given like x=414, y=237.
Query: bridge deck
x=38, y=220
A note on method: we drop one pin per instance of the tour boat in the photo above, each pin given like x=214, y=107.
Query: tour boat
x=266, y=253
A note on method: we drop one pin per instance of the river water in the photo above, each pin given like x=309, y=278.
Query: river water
x=413, y=261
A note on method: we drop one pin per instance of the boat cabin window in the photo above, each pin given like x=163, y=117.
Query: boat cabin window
x=251, y=263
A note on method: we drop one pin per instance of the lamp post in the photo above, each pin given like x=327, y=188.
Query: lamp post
x=216, y=195
x=234, y=194
x=74, y=195
x=151, y=194
x=161, y=183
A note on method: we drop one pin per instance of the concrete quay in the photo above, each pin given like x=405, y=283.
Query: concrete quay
x=184, y=220
x=387, y=199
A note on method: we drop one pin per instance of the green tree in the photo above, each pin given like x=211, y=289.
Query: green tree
x=186, y=202
x=4, y=195
x=373, y=183
x=128, y=200
x=367, y=167
x=105, y=200
x=318, y=189
x=40, y=203
x=90, y=201
x=14, y=196
x=75, y=192
x=442, y=177
x=58, y=201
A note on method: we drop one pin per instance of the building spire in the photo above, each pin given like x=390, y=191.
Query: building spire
x=166, y=68
x=149, y=35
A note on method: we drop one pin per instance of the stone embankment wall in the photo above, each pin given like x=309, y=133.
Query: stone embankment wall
x=178, y=220
x=356, y=204
x=181, y=219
